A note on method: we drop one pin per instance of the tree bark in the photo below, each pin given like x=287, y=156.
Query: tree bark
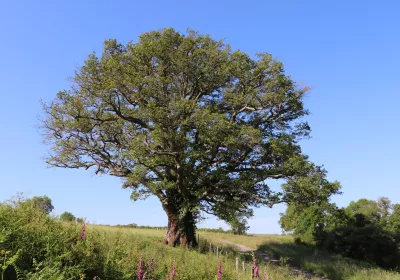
x=181, y=230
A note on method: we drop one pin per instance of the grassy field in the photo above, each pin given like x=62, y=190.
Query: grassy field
x=192, y=264
x=37, y=246
x=282, y=248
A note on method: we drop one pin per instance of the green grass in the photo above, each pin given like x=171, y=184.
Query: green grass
x=36, y=246
x=191, y=264
x=323, y=263
x=283, y=248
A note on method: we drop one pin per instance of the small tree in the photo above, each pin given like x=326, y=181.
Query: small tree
x=42, y=202
x=190, y=121
x=310, y=224
x=393, y=224
x=239, y=226
x=67, y=217
x=238, y=223
x=375, y=212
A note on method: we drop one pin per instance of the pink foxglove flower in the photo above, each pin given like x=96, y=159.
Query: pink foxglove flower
x=83, y=231
x=140, y=270
x=220, y=270
x=173, y=273
x=256, y=274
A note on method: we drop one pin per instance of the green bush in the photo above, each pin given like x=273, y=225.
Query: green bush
x=36, y=246
x=369, y=243
x=28, y=236
x=67, y=217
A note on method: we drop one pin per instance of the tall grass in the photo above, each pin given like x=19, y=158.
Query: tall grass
x=318, y=261
x=283, y=248
x=36, y=246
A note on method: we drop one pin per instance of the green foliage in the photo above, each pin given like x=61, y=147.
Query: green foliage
x=54, y=271
x=238, y=224
x=218, y=230
x=365, y=230
x=311, y=224
x=28, y=233
x=393, y=224
x=36, y=246
x=385, y=207
x=322, y=262
x=367, y=208
x=369, y=243
x=67, y=217
x=41, y=247
x=41, y=202
x=185, y=118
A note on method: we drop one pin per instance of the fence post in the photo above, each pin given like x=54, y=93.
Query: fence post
x=237, y=263
x=217, y=252
x=198, y=243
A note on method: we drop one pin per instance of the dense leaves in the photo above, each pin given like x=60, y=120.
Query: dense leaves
x=36, y=246
x=67, y=217
x=366, y=229
x=28, y=237
x=311, y=224
x=393, y=222
x=370, y=243
x=185, y=118
x=41, y=202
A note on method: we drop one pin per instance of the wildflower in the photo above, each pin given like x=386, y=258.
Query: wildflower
x=140, y=270
x=220, y=270
x=173, y=273
x=83, y=231
x=151, y=260
x=255, y=270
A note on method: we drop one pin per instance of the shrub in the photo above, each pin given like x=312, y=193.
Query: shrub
x=28, y=233
x=42, y=202
x=370, y=243
x=67, y=217
x=36, y=246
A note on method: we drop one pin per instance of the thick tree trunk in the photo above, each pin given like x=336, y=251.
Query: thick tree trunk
x=181, y=230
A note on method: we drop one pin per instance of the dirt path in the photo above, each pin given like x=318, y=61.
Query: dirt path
x=265, y=257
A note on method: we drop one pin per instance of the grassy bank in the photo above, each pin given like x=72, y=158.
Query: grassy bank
x=331, y=266
x=283, y=248
x=36, y=246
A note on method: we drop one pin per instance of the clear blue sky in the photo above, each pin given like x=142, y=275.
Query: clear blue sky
x=347, y=51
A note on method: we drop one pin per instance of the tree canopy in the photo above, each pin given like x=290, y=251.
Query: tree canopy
x=185, y=118
x=44, y=203
x=365, y=229
x=67, y=217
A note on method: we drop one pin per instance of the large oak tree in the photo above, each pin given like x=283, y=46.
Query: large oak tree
x=185, y=118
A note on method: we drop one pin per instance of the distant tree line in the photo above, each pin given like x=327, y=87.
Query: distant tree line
x=133, y=225
x=366, y=229
x=238, y=224
x=44, y=203
x=69, y=217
